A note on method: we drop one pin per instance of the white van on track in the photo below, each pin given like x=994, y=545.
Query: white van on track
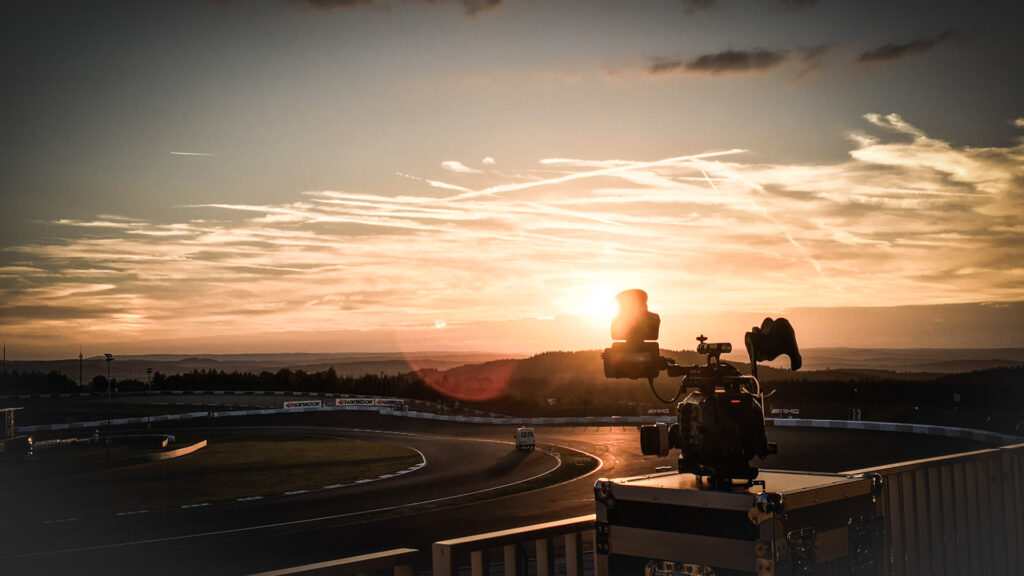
x=524, y=438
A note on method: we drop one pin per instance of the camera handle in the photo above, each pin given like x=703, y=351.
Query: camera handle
x=771, y=340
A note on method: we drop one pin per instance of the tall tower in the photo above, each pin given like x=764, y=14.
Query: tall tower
x=79, y=366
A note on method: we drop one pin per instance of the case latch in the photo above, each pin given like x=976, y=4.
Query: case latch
x=601, y=537
x=866, y=535
x=802, y=551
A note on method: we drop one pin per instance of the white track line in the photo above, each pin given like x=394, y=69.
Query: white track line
x=558, y=464
x=413, y=468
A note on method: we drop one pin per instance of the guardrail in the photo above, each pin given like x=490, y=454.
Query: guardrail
x=541, y=545
x=400, y=562
x=115, y=422
x=449, y=555
x=903, y=427
x=947, y=431
x=556, y=421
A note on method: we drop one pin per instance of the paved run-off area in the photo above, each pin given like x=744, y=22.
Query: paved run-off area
x=233, y=466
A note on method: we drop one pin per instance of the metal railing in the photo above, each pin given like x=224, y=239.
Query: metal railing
x=449, y=555
x=957, y=514
x=950, y=515
x=400, y=562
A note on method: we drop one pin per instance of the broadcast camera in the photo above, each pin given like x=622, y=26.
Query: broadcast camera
x=720, y=423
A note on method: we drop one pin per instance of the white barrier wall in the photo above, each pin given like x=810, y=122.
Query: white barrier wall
x=396, y=407
x=948, y=431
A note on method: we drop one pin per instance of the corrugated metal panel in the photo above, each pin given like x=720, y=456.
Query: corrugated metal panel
x=936, y=517
x=1013, y=497
x=961, y=514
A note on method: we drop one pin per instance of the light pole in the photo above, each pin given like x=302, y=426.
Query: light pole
x=110, y=358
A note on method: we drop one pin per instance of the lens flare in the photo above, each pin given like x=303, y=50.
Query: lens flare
x=475, y=382
x=429, y=354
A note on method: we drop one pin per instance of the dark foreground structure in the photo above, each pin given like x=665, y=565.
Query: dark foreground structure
x=951, y=515
x=716, y=515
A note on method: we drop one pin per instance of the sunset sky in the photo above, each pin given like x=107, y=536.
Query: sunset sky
x=337, y=175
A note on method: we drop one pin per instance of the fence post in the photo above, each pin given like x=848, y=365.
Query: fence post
x=443, y=563
x=478, y=562
x=511, y=560
x=545, y=557
x=574, y=554
x=601, y=567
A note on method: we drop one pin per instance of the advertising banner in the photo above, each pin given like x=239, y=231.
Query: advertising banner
x=382, y=402
x=303, y=404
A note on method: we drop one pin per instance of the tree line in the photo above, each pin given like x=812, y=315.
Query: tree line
x=571, y=384
x=991, y=399
x=406, y=385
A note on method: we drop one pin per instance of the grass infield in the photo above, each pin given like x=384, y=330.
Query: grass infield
x=232, y=466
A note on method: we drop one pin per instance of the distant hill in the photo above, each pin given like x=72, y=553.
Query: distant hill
x=935, y=360
x=818, y=363
x=573, y=383
x=346, y=364
x=558, y=376
x=559, y=369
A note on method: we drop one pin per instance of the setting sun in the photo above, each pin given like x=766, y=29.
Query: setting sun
x=305, y=286
x=470, y=174
x=599, y=306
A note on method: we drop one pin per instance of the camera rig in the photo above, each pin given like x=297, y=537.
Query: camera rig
x=719, y=424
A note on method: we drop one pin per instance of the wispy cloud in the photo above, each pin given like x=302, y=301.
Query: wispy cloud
x=191, y=154
x=95, y=223
x=893, y=51
x=694, y=6
x=906, y=219
x=735, y=62
x=617, y=169
x=474, y=6
x=810, y=58
x=728, y=61
x=434, y=183
x=456, y=166
x=471, y=7
x=331, y=4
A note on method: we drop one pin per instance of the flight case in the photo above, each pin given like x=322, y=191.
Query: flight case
x=795, y=523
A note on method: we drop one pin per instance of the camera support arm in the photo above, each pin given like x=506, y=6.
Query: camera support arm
x=771, y=340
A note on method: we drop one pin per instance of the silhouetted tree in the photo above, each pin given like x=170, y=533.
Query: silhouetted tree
x=33, y=382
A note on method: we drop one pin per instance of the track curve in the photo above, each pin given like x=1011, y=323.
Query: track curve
x=407, y=511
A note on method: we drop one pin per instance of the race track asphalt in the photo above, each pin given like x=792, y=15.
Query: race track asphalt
x=460, y=491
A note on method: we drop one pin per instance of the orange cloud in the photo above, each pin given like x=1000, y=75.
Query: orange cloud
x=906, y=219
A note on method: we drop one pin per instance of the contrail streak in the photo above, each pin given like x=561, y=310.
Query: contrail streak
x=708, y=179
x=591, y=174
